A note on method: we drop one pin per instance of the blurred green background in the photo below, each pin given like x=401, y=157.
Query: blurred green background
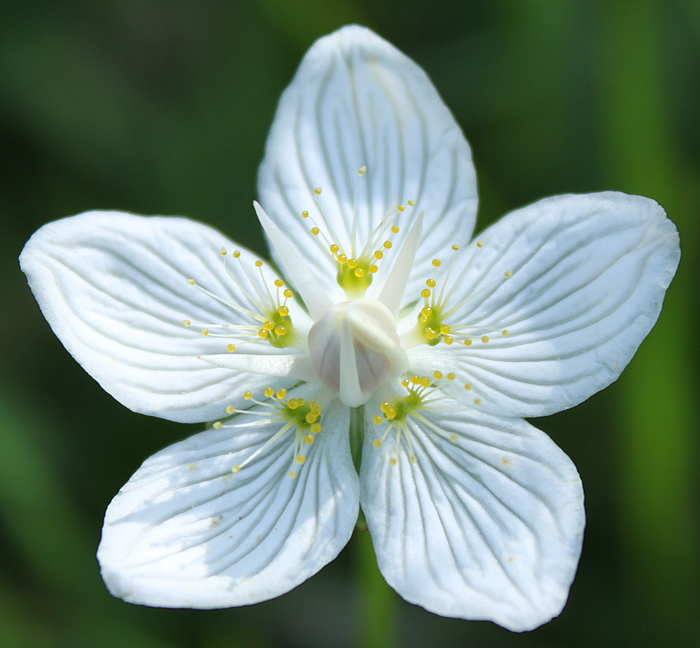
x=162, y=106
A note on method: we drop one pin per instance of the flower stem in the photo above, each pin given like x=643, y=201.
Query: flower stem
x=377, y=601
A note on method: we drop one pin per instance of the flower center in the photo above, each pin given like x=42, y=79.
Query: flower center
x=355, y=350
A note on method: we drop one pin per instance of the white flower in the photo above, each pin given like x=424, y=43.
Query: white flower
x=427, y=346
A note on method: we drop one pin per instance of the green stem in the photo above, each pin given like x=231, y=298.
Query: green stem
x=377, y=601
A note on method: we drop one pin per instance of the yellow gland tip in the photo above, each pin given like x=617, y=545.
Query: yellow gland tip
x=377, y=419
x=334, y=248
x=467, y=386
x=373, y=268
x=477, y=401
x=448, y=339
x=230, y=348
x=279, y=283
x=288, y=293
x=480, y=244
x=450, y=376
x=431, y=283
x=437, y=375
x=269, y=392
x=359, y=272
x=379, y=255
x=508, y=274
x=392, y=461
x=309, y=439
x=318, y=191
x=352, y=263
x=453, y=437
x=305, y=214
x=248, y=395
x=316, y=428
x=341, y=258
x=258, y=263
x=281, y=330
x=395, y=228
x=399, y=208
x=315, y=231
x=300, y=459
x=376, y=443
x=230, y=409
x=236, y=254
x=467, y=342
x=281, y=393
x=437, y=263
x=411, y=203
x=387, y=244
x=204, y=332
x=222, y=251
x=505, y=333
x=484, y=338
x=425, y=293
x=187, y=322
x=269, y=326
x=362, y=170
x=235, y=469
x=455, y=247
x=192, y=282
x=291, y=474
x=444, y=329
x=217, y=425
x=283, y=311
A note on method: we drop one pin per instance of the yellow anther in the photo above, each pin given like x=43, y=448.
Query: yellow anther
x=505, y=333
x=437, y=375
x=437, y=263
x=477, y=401
x=450, y=376
x=316, y=428
x=192, y=282
x=484, y=338
x=399, y=208
x=448, y=339
x=415, y=379
x=508, y=274
x=280, y=330
x=248, y=395
x=283, y=311
x=309, y=439
x=230, y=348
x=258, y=263
x=362, y=170
x=269, y=392
x=410, y=203
x=288, y=293
x=292, y=403
x=187, y=322
x=425, y=381
x=455, y=247
x=222, y=251
x=269, y=326
x=359, y=272
x=281, y=393
x=377, y=419
x=427, y=311
x=412, y=459
x=318, y=191
x=444, y=329
x=480, y=244
x=341, y=258
x=315, y=231
x=453, y=437
x=425, y=293
x=376, y=443
x=385, y=406
x=311, y=417
x=217, y=425
x=387, y=244
x=395, y=228
x=467, y=342
x=352, y=263
x=334, y=248
x=373, y=268
x=430, y=283
x=379, y=255
x=235, y=469
x=467, y=386
x=291, y=474
x=392, y=461
x=423, y=320
x=263, y=333
x=305, y=214
x=204, y=332
x=279, y=283
x=391, y=414
x=236, y=254
x=230, y=409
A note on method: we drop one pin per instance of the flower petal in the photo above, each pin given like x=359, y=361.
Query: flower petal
x=589, y=277
x=485, y=523
x=113, y=287
x=357, y=101
x=186, y=531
